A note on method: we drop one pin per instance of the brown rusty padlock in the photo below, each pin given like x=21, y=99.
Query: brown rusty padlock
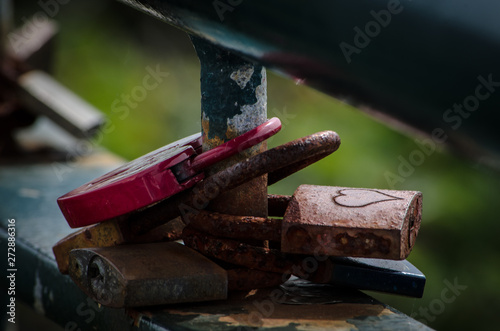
x=328, y=220
x=356, y=222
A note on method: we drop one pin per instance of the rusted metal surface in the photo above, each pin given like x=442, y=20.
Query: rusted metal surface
x=237, y=227
x=99, y=235
x=277, y=204
x=293, y=168
x=169, y=231
x=239, y=253
x=147, y=274
x=340, y=221
x=233, y=101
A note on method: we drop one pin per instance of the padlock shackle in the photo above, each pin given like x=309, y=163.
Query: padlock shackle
x=279, y=162
x=237, y=145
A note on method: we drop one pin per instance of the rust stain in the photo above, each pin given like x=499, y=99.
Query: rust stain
x=209, y=143
x=237, y=227
x=137, y=316
x=308, y=317
x=231, y=132
x=239, y=253
x=104, y=234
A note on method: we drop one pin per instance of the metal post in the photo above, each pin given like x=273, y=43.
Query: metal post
x=233, y=101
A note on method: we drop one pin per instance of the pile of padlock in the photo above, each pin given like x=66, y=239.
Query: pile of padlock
x=125, y=255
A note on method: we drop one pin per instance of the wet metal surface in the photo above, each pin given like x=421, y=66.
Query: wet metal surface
x=340, y=221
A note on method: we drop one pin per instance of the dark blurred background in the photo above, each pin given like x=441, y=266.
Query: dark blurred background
x=102, y=52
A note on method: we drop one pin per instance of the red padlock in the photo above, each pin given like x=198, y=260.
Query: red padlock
x=153, y=177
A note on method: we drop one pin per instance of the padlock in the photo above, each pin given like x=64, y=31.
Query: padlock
x=153, y=177
x=159, y=273
x=396, y=277
x=329, y=220
x=147, y=274
x=355, y=222
x=279, y=162
x=388, y=276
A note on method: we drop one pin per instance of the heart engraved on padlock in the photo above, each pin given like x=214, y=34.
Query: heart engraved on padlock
x=355, y=197
x=340, y=221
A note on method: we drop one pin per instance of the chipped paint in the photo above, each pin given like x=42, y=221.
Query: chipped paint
x=252, y=115
x=215, y=140
x=38, y=295
x=242, y=75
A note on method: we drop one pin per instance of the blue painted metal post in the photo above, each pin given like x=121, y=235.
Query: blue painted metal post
x=233, y=101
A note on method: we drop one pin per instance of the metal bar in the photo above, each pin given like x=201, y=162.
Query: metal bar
x=233, y=101
x=41, y=93
x=376, y=54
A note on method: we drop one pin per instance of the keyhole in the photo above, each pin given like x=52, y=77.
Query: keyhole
x=97, y=279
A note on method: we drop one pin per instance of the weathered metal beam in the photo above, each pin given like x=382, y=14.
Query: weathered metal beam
x=375, y=54
x=233, y=101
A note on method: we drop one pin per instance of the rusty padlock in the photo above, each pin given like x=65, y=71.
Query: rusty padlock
x=355, y=222
x=279, y=162
x=156, y=274
x=153, y=177
x=329, y=220
x=147, y=274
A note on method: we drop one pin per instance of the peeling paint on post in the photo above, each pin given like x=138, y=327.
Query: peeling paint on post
x=233, y=101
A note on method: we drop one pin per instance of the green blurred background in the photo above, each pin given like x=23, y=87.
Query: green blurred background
x=102, y=52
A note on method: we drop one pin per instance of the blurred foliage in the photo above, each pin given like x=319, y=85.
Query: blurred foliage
x=103, y=51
